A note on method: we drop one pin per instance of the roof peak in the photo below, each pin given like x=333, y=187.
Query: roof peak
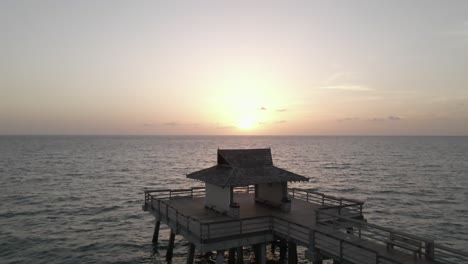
x=245, y=158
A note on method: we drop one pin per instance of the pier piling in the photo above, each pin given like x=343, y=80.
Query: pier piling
x=283, y=249
x=292, y=253
x=220, y=257
x=232, y=256
x=261, y=253
x=240, y=255
x=156, y=231
x=191, y=253
x=170, y=247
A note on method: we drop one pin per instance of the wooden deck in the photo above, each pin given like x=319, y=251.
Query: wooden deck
x=318, y=222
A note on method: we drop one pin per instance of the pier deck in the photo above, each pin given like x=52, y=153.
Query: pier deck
x=327, y=225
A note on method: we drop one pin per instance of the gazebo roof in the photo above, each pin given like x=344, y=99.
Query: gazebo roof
x=242, y=167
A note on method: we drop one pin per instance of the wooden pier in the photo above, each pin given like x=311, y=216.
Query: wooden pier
x=246, y=201
x=327, y=226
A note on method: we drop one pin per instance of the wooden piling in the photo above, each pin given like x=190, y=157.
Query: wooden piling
x=240, y=255
x=261, y=253
x=170, y=247
x=256, y=252
x=283, y=249
x=292, y=253
x=191, y=254
x=232, y=256
x=156, y=232
x=220, y=257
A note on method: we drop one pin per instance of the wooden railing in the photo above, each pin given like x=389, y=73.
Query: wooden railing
x=360, y=231
x=391, y=238
x=167, y=194
x=449, y=255
x=170, y=214
x=236, y=227
x=334, y=246
x=337, y=205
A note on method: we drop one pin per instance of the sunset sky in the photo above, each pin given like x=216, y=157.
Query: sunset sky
x=237, y=67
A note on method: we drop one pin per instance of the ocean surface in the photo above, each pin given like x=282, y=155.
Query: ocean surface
x=77, y=199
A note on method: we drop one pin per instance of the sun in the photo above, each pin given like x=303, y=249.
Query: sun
x=246, y=123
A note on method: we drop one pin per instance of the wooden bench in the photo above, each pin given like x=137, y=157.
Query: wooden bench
x=406, y=243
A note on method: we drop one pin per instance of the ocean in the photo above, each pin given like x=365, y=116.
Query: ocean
x=77, y=199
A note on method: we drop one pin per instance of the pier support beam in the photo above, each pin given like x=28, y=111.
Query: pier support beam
x=292, y=253
x=220, y=257
x=232, y=256
x=274, y=243
x=156, y=231
x=240, y=255
x=170, y=247
x=191, y=253
x=260, y=253
x=313, y=253
x=283, y=249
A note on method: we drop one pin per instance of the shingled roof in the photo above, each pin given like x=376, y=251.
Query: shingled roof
x=242, y=167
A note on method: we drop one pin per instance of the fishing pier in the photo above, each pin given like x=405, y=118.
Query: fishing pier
x=246, y=202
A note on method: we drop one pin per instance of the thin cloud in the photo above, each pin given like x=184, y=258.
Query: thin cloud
x=347, y=119
x=225, y=127
x=375, y=119
x=459, y=31
x=389, y=118
x=172, y=124
x=358, y=88
x=394, y=118
x=281, y=110
x=263, y=108
x=280, y=122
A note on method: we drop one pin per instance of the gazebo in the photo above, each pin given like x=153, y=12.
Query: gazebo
x=244, y=167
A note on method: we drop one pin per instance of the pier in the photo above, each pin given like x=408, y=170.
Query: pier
x=328, y=227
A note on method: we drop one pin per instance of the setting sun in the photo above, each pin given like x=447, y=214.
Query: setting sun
x=246, y=123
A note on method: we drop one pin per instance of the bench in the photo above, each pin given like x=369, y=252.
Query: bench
x=405, y=243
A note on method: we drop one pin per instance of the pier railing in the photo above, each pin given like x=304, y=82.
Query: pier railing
x=449, y=255
x=156, y=200
x=175, y=193
x=334, y=245
x=418, y=246
x=337, y=205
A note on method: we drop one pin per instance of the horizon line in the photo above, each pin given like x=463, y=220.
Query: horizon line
x=221, y=135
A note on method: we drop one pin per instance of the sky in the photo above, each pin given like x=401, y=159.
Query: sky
x=234, y=67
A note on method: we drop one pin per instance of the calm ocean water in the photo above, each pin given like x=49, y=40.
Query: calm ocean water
x=78, y=199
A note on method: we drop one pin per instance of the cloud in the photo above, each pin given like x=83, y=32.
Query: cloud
x=346, y=119
x=225, y=127
x=280, y=122
x=460, y=30
x=375, y=119
x=263, y=108
x=389, y=118
x=172, y=124
x=358, y=88
x=281, y=110
x=394, y=118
